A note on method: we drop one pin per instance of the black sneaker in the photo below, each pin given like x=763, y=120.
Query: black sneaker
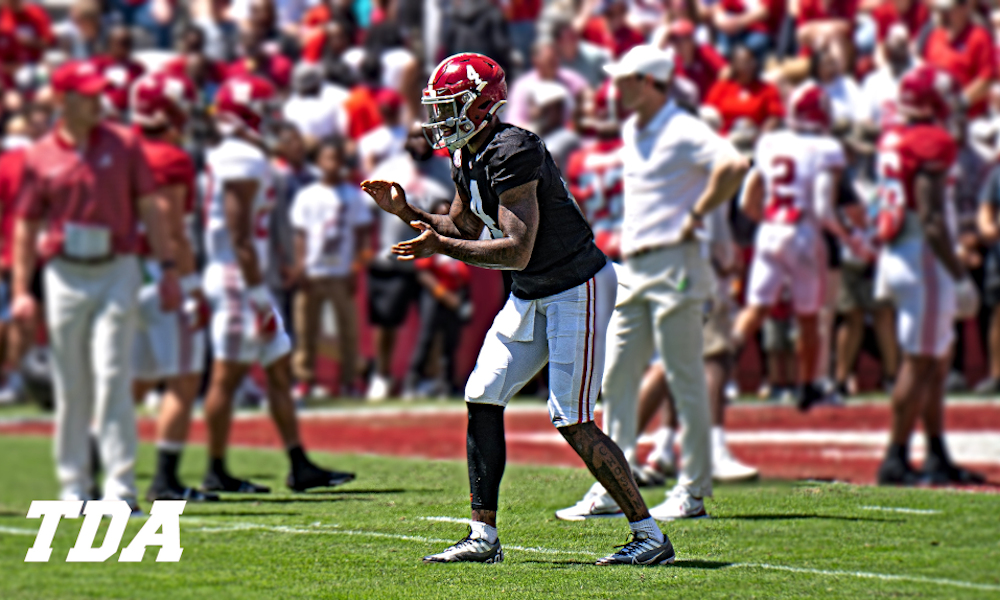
x=809, y=395
x=179, y=493
x=215, y=483
x=940, y=471
x=897, y=472
x=470, y=549
x=315, y=477
x=641, y=550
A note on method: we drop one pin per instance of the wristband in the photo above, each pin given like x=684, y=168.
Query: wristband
x=694, y=215
x=259, y=296
x=190, y=283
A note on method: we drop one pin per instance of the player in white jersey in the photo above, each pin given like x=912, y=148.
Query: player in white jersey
x=169, y=346
x=791, y=191
x=246, y=328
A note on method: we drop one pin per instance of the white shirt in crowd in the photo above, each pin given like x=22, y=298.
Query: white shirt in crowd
x=329, y=217
x=666, y=168
x=318, y=116
x=846, y=101
x=879, y=91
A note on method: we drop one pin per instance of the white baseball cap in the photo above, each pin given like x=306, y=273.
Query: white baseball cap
x=644, y=60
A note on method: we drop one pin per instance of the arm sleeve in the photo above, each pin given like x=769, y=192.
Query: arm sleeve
x=705, y=147
x=515, y=162
x=30, y=202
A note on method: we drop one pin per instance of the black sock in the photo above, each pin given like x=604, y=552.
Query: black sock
x=936, y=448
x=166, y=468
x=298, y=458
x=217, y=467
x=900, y=452
x=487, y=454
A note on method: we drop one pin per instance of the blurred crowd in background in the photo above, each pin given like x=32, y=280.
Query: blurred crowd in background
x=349, y=75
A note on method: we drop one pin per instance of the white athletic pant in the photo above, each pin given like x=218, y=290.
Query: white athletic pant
x=91, y=315
x=661, y=305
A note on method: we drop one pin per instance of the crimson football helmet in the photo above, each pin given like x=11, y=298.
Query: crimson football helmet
x=158, y=99
x=809, y=108
x=462, y=95
x=245, y=102
x=927, y=93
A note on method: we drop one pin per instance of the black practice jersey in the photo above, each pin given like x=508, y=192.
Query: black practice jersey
x=564, y=255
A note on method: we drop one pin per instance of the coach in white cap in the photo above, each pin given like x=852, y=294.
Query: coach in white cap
x=676, y=171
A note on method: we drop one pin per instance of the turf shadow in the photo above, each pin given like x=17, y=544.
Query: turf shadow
x=220, y=513
x=701, y=564
x=797, y=517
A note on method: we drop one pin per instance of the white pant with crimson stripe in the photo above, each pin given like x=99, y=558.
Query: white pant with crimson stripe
x=91, y=314
x=661, y=306
x=568, y=330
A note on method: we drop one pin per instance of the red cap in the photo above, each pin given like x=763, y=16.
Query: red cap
x=389, y=98
x=682, y=28
x=79, y=76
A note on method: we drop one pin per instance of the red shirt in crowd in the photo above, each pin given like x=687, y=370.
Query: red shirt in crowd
x=120, y=76
x=97, y=185
x=276, y=68
x=704, y=70
x=28, y=23
x=967, y=58
x=523, y=10
x=11, y=170
x=776, y=10
x=821, y=10
x=177, y=67
x=450, y=273
x=618, y=41
x=362, y=112
x=914, y=18
x=758, y=102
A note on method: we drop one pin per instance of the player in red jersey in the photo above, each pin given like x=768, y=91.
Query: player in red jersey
x=918, y=270
x=169, y=346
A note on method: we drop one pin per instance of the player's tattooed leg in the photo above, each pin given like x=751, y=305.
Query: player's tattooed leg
x=608, y=465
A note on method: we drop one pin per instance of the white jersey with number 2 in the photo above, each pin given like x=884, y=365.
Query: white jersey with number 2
x=789, y=163
x=235, y=160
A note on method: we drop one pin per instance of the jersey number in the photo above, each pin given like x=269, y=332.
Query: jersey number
x=782, y=205
x=477, y=207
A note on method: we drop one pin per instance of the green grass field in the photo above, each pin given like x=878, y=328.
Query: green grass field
x=365, y=540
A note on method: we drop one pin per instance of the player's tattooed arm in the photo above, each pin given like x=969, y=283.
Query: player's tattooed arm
x=929, y=193
x=518, y=216
x=460, y=222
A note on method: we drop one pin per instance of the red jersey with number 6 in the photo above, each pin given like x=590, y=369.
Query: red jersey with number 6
x=789, y=162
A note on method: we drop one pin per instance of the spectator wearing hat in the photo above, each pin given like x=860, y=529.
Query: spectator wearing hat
x=315, y=108
x=611, y=30
x=963, y=49
x=90, y=182
x=745, y=95
x=699, y=63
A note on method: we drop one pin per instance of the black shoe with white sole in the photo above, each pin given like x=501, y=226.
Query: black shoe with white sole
x=469, y=549
x=641, y=550
x=215, y=483
x=314, y=477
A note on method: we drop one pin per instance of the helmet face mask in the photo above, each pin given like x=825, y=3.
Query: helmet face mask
x=462, y=95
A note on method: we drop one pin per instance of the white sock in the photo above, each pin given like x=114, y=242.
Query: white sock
x=648, y=526
x=484, y=531
x=718, y=438
x=664, y=447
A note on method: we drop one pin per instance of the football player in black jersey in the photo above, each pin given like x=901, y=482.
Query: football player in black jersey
x=512, y=211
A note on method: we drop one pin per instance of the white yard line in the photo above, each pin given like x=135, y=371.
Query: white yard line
x=446, y=520
x=17, y=531
x=334, y=530
x=899, y=509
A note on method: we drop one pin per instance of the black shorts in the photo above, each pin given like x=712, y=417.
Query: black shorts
x=390, y=294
